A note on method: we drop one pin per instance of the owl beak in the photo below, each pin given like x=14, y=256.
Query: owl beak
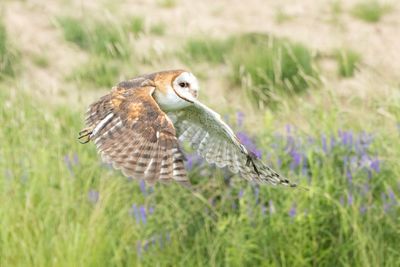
x=193, y=93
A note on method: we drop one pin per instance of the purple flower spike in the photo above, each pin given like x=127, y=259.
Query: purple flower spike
x=135, y=213
x=142, y=186
x=363, y=209
x=349, y=199
x=349, y=176
x=257, y=194
x=263, y=209
x=239, y=118
x=392, y=195
x=333, y=141
x=296, y=159
x=324, y=144
x=93, y=196
x=248, y=143
x=67, y=162
x=143, y=214
x=189, y=162
x=346, y=138
x=288, y=128
x=293, y=211
x=234, y=206
x=240, y=194
x=76, y=159
x=151, y=210
x=279, y=162
x=375, y=165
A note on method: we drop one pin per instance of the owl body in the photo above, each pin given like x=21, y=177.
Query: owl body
x=169, y=100
x=132, y=130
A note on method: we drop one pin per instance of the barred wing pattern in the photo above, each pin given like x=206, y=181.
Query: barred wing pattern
x=215, y=141
x=133, y=134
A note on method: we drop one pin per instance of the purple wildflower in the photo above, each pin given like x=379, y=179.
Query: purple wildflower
x=293, y=210
x=151, y=210
x=375, y=165
x=349, y=199
x=189, y=162
x=135, y=213
x=257, y=194
x=143, y=214
x=239, y=118
x=324, y=144
x=288, y=128
x=363, y=209
x=279, y=162
x=349, y=176
x=263, y=209
x=392, y=195
x=76, y=159
x=346, y=138
x=248, y=143
x=93, y=196
x=310, y=140
x=67, y=162
x=333, y=141
x=240, y=194
x=296, y=159
x=234, y=206
x=142, y=186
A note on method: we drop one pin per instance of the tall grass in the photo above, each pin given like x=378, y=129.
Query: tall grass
x=109, y=44
x=268, y=67
x=206, y=50
x=265, y=66
x=8, y=54
x=348, y=61
x=61, y=207
x=104, y=37
x=99, y=71
x=370, y=10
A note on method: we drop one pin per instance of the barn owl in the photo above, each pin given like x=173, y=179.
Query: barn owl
x=139, y=125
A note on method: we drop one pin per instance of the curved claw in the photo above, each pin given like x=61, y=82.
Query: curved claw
x=250, y=158
x=85, y=133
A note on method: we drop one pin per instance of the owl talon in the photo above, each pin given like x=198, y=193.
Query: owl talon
x=250, y=158
x=85, y=133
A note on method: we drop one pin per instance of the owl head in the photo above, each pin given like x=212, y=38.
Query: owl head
x=186, y=83
x=175, y=89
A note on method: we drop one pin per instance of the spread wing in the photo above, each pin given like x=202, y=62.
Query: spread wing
x=215, y=141
x=133, y=134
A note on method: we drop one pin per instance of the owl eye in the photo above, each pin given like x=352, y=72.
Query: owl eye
x=184, y=84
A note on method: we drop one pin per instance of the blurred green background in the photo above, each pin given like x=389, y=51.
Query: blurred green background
x=311, y=86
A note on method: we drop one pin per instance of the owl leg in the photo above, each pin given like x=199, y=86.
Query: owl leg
x=84, y=135
x=249, y=161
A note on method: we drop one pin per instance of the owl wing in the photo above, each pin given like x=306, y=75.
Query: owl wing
x=215, y=141
x=133, y=134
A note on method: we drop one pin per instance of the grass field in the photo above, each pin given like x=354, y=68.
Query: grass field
x=324, y=111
